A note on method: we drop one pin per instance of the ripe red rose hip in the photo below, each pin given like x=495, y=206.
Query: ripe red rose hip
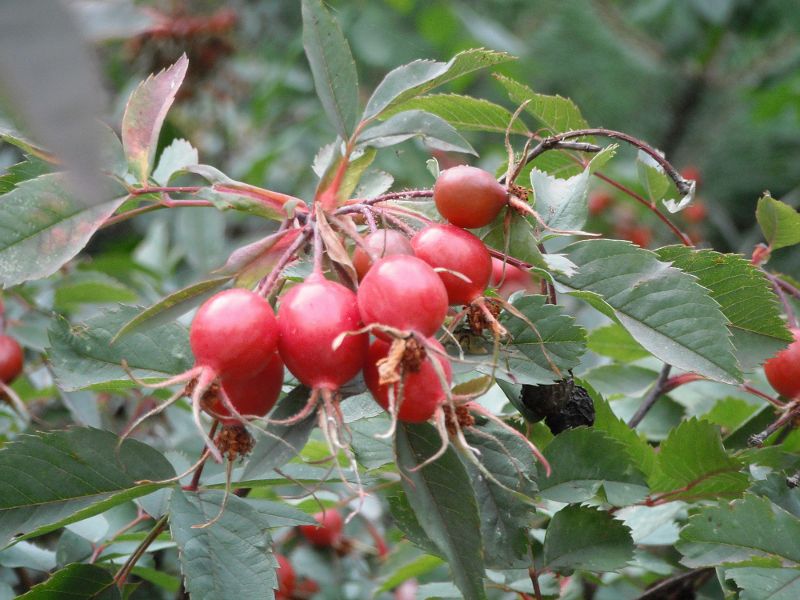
x=403, y=292
x=234, y=333
x=455, y=249
x=254, y=395
x=599, y=202
x=11, y=359
x=783, y=369
x=310, y=317
x=329, y=531
x=695, y=212
x=384, y=242
x=468, y=197
x=286, y=578
x=422, y=390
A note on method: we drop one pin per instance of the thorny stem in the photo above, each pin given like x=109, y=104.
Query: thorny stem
x=318, y=248
x=786, y=286
x=789, y=413
x=683, y=185
x=389, y=196
x=199, y=470
x=791, y=318
x=651, y=205
x=161, y=524
x=126, y=568
x=557, y=143
x=684, y=378
x=265, y=286
x=547, y=287
x=652, y=396
x=535, y=581
x=150, y=208
x=98, y=550
x=370, y=219
x=658, y=590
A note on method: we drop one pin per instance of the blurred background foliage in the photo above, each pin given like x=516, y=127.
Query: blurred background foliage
x=714, y=84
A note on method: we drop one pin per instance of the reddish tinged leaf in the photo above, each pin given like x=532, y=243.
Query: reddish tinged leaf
x=252, y=262
x=43, y=225
x=145, y=113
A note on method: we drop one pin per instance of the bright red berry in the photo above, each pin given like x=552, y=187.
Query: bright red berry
x=468, y=197
x=329, y=531
x=286, y=578
x=693, y=173
x=513, y=280
x=695, y=212
x=599, y=202
x=403, y=292
x=783, y=369
x=252, y=395
x=310, y=317
x=422, y=390
x=638, y=234
x=11, y=359
x=234, y=333
x=455, y=249
x=384, y=242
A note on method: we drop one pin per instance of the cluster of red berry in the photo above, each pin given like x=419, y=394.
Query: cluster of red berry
x=320, y=333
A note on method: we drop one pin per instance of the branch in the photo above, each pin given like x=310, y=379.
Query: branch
x=652, y=396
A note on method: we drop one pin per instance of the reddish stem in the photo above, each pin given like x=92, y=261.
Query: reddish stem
x=150, y=208
x=650, y=205
x=188, y=189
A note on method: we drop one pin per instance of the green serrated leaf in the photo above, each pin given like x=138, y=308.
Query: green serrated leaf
x=42, y=226
x=693, y=465
x=332, y=66
x=175, y=157
x=441, y=496
x=758, y=583
x=171, y=307
x=421, y=76
x=406, y=520
x=465, y=113
x=505, y=516
x=779, y=222
x=76, y=581
x=741, y=531
x=563, y=203
x=144, y=115
x=663, y=308
x=554, y=112
x=615, y=342
x=11, y=136
x=579, y=537
x=23, y=171
x=83, y=355
x=285, y=441
x=641, y=453
x=584, y=459
x=545, y=353
x=745, y=298
x=79, y=473
x=652, y=177
x=434, y=131
x=231, y=558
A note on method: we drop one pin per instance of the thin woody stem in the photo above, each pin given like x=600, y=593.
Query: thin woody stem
x=266, y=284
x=652, y=396
x=126, y=568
